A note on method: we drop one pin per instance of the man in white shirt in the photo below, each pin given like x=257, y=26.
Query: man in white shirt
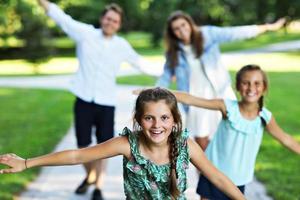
x=100, y=53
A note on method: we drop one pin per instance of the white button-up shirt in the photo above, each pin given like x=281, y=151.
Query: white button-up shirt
x=99, y=58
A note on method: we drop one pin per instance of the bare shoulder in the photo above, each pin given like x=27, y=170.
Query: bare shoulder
x=122, y=143
x=222, y=107
x=194, y=148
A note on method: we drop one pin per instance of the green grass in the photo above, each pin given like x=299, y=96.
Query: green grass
x=31, y=122
x=67, y=65
x=144, y=80
x=142, y=43
x=51, y=112
x=277, y=167
x=35, y=120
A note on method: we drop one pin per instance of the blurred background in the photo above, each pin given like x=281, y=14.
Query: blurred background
x=26, y=33
x=33, y=121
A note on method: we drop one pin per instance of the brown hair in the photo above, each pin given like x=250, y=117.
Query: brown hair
x=252, y=67
x=155, y=95
x=114, y=7
x=172, y=42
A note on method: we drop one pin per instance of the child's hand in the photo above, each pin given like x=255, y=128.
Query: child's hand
x=15, y=163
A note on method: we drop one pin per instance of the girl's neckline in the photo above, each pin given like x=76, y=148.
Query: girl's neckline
x=145, y=158
x=187, y=47
x=239, y=107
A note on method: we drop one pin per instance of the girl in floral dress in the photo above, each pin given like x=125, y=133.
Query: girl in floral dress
x=156, y=153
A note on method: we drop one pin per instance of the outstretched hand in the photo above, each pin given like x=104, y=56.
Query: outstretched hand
x=44, y=4
x=276, y=25
x=16, y=163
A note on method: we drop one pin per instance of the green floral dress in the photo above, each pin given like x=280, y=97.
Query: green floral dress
x=145, y=180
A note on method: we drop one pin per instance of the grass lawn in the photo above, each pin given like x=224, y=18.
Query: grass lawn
x=67, y=65
x=31, y=122
x=139, y=40
x=277, y=167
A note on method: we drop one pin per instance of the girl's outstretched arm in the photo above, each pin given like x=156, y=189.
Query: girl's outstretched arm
x=212, y=104
x=200, y=161
x=110, y=148
x=284, y=138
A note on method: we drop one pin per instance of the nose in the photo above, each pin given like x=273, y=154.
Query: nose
x=156, y=123
x=181, y=30
x=252, y=86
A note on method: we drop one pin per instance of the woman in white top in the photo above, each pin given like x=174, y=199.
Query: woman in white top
x=193, y=57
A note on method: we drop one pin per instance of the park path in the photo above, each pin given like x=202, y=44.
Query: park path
x=58, y=183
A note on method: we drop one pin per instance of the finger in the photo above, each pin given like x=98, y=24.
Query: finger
x=4, y=159
x=6, y=171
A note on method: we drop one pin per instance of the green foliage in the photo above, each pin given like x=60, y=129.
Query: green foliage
x=157, y=18
x=277, y=166
x=9, y=19
x=31, y=124
x=24, y=19
x=33, y=32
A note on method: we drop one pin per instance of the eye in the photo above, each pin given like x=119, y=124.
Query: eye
x=147, y=118
x=244, y=83
x=258, y=83
x=164, y=117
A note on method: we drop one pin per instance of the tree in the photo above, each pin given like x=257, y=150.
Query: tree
x=34, y=33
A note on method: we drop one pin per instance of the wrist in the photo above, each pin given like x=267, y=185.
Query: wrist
x=25, y=163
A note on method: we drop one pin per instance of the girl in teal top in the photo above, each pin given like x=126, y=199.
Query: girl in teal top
x=156, y=153
x=234, y=147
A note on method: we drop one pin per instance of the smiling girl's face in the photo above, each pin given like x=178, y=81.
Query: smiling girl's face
x=157, y=122
x=252, y=86
x=182, y=30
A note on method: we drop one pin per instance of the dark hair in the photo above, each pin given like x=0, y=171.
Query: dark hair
x=114, y=7
x=239, y=77
x=172, y=41
x=155, y=95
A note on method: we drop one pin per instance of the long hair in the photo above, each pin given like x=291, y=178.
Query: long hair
x=155, y=95
x=253, y=67
x=172, y=42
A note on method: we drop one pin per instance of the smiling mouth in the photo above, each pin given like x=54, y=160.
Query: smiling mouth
x=251, y=94
x=156, y=132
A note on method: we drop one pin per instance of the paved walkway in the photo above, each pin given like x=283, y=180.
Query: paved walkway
x=58, y=183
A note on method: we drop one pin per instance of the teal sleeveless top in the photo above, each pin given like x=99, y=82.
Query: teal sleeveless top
x=234, y=147
x=144, y=179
